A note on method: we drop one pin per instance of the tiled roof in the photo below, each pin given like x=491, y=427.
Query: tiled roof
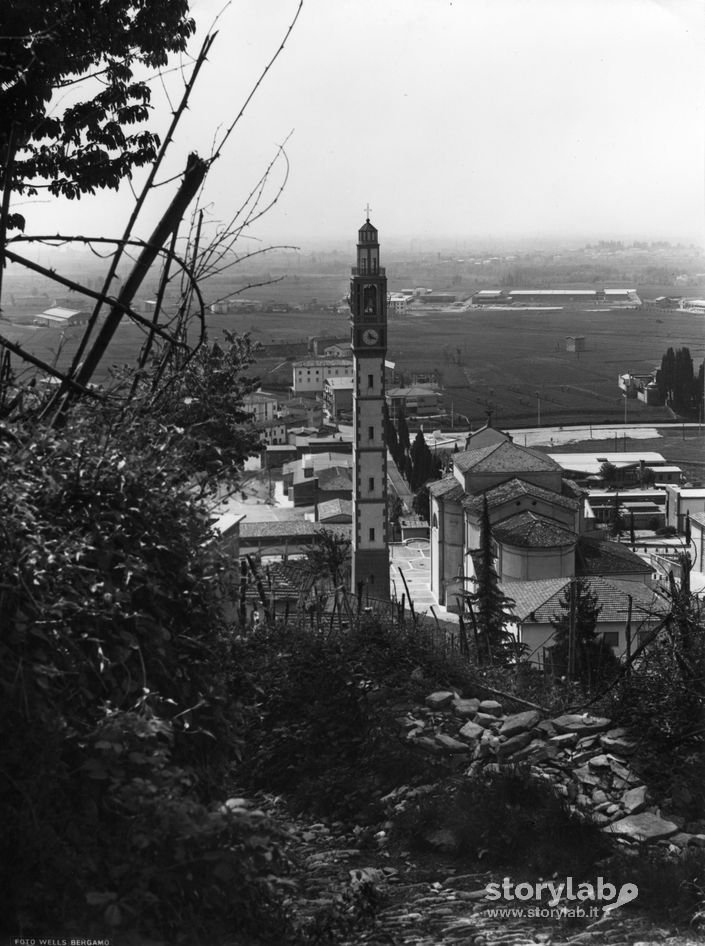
x=514, y=488
x=598, y=556
x=336, y=477
x=279, y=529
x=504, y=457
x=541, y=603
x=288, y=529
x=528, y=530
x=448, y=487
x=530, y=596
x=335, y=507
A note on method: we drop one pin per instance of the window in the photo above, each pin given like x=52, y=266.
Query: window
x=370, y=380
x=611, y=638
x=371, y=484
x=370, y=433
x=372, y=535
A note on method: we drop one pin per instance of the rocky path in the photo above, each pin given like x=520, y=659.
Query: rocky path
x=432, y=901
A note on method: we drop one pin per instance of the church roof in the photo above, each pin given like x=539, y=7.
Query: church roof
x=448, y=487
x=514, y=488
x=504, y=457
x=529, y=530
x=597, y=556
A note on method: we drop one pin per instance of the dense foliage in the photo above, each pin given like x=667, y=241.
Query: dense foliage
x=49, y=45
x=116, y=725
x=324, y=731
x=679, y=384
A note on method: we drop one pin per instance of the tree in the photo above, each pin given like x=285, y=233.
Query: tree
x=490, y=607
x=422, y=465
x=609, y=473
x=616, y=523
x=592, y=658
x=329, y=556
x=51, y=45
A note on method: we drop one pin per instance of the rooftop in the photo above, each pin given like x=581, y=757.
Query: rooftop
x=514, y=488
x=529, y=530
x=540, y=601
x=597, y=556
x=504, y=457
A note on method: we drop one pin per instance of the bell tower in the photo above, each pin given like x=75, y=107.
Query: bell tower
x=368, y=307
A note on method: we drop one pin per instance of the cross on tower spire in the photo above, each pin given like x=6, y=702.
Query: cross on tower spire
x=367, y=211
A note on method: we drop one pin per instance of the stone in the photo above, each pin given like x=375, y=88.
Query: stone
x=471, y=731
x=634, y=800
x=600, y=819
x=450, y=744
x=599, y=797
x=427, y=744
x=618, y=740
x=492, y=707
x=440, y=699
x=486, y=720
x=546, y=727
x=585, y=776
x=582, y=724
x=512, y=745
x=621, y=771
x=519, y=722
x=536, y=751
x=599, y=762
x=564, y=740
x=465, y=708
x=697, y=840
x=645, y=826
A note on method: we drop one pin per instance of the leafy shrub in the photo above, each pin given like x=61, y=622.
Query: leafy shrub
x=115, y=721
x=325, y=730
x=671, y=888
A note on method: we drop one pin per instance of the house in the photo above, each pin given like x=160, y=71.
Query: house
x=309, y=376
x=575, y=343
x=630, y=613
x=682, y=501
x=274, y=432
x=334, y=511
x=420, y=400
x=485, y=436
x=261, y=405
x=338, y=397
x=59, y=317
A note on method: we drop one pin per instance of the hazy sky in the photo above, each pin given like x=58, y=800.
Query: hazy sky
x=471, y=118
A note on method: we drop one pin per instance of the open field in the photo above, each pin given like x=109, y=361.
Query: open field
x=512, y=361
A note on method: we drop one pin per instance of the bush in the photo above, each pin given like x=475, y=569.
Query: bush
x=115, y=721
x=325, y=730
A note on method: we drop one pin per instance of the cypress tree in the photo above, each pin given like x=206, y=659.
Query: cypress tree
x=491, y=607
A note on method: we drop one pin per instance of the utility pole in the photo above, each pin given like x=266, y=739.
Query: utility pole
x=538, y=408
x=571, y=632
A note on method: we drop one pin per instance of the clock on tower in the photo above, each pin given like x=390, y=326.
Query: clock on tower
x=368, y=307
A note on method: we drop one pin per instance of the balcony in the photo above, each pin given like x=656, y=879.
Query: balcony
x=357, y=271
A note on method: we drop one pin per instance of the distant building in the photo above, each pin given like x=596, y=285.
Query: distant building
x=58, y=317
x=417, y=401
x=575, y=343
x=261, y=405
x=338, y=396
x=397, y=303
x=309, y=376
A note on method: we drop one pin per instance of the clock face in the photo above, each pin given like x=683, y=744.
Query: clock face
x=370, y=336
